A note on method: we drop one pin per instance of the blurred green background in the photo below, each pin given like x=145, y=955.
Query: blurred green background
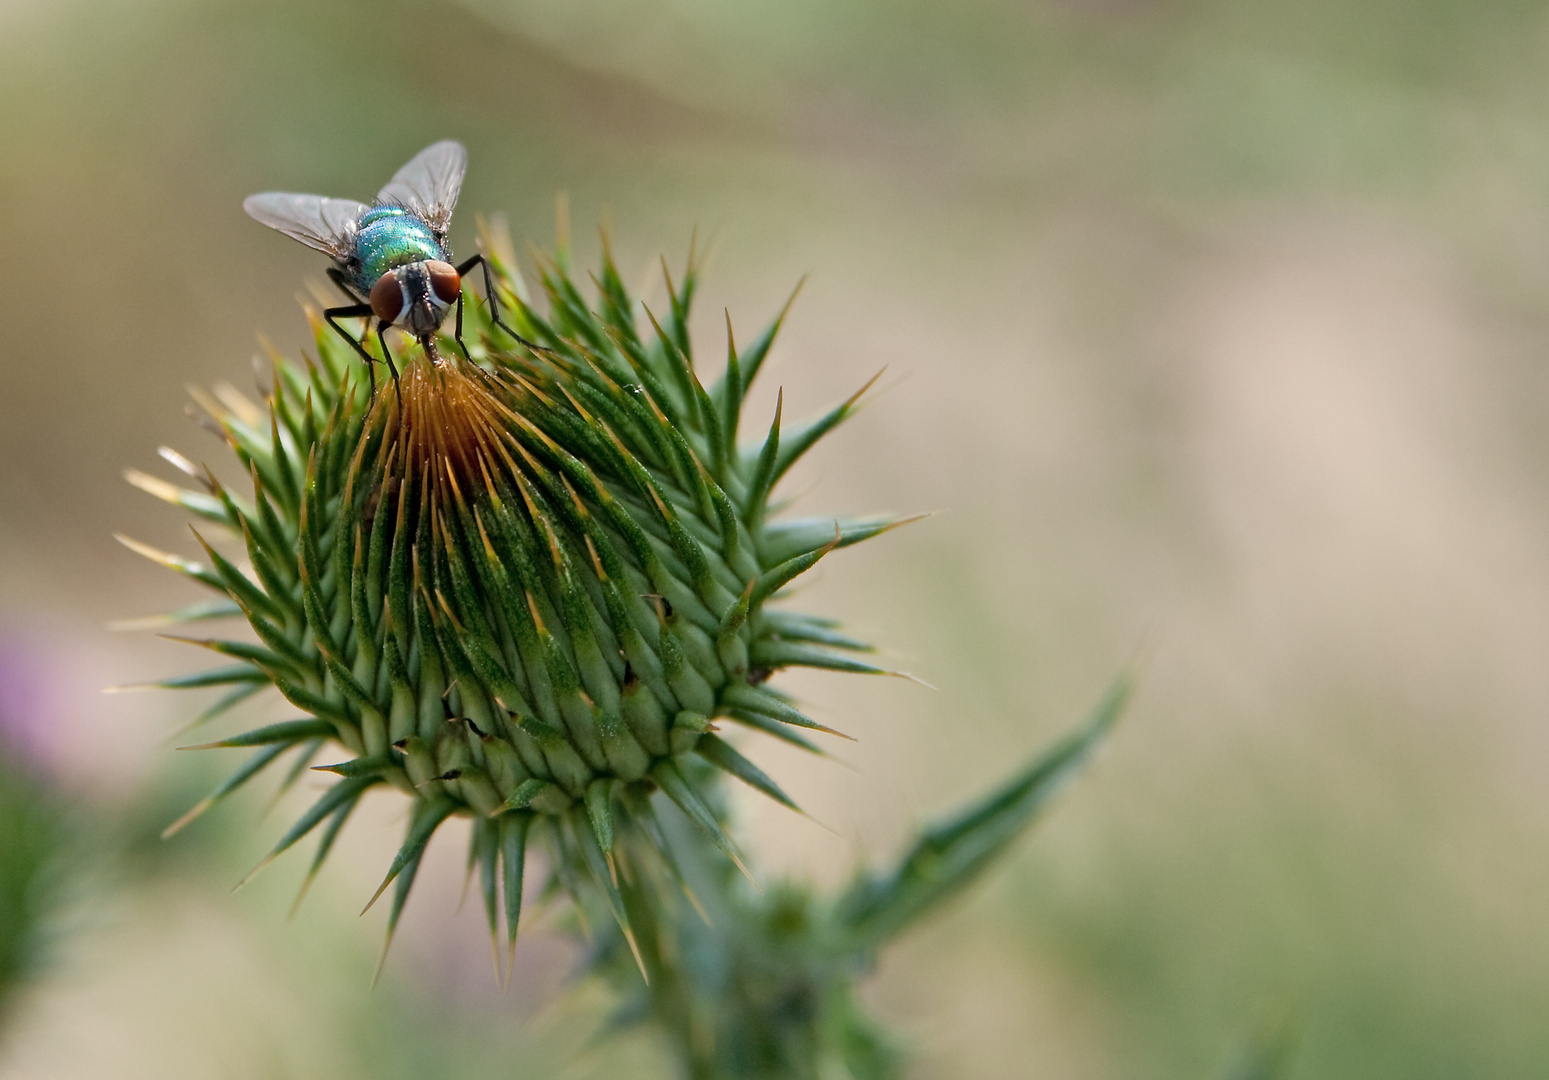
x=1215, y=330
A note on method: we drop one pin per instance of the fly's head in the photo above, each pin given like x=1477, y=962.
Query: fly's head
x=417, y=296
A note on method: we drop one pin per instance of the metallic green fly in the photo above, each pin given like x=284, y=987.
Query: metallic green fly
x=390, y=258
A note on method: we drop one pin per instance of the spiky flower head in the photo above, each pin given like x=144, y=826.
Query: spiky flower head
x=523, y=587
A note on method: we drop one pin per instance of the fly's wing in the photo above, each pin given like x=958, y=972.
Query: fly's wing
x=428, y=184
x=325, y=224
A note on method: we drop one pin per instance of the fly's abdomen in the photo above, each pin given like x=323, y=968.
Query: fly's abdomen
x=388, y=237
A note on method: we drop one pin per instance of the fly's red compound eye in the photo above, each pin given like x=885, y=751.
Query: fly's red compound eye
x=444, y=280
x=387, y=297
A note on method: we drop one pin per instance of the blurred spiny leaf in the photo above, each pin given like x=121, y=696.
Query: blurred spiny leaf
x=948, y=856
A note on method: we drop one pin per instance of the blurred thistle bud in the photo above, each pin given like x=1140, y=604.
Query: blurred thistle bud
x=523, y=589
x=39, y=855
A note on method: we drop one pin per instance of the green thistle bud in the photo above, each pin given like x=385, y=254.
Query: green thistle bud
x=525, y=590
x=36, y=865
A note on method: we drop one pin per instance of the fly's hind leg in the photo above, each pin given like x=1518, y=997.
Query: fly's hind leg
x=337, y=276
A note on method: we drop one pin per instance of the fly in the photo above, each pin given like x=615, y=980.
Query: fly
x=390, y=258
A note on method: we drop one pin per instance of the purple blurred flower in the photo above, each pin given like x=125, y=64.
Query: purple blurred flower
x=26, y=738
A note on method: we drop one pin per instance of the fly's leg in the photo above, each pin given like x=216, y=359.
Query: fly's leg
x=381, y=328
x=336, y=276
x=339, y=278
x=494, y=304
x=350, y=311
x=457, y=333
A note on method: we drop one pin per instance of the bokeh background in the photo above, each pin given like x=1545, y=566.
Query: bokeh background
x=1216, y=334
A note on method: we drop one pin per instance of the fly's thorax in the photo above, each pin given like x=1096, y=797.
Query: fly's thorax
x=416, y=296
x=388, y=237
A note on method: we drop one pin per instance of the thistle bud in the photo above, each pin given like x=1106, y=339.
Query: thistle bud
x=527, y=590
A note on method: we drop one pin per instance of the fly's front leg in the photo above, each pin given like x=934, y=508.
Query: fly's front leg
x=494, y=304
x=457, y=333
x=381, y=328
x=352, y=311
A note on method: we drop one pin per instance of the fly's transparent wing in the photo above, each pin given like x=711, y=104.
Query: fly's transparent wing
x=325, y=224
x=428, y=184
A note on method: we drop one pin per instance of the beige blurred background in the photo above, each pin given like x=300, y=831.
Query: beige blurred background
x=1217, y=333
